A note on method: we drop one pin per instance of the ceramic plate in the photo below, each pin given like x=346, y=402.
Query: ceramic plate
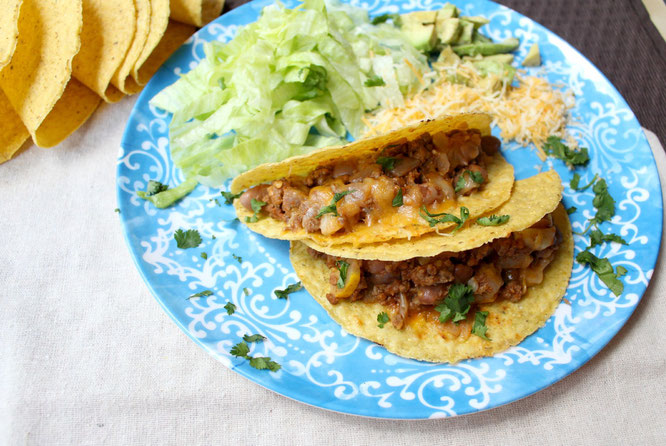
x=324, y=366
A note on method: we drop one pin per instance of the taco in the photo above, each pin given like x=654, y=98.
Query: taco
x=394, y=186
x=475, y=297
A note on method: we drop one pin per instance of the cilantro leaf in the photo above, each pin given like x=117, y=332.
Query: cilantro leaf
x=493, y=220
x=620, y=271
x=166, y=197
x=240, y=350
x=387, y=162
x=254, y=338
x=457, y=303
x=397, y=200
x=445, y=218
x=604, y=270
x=342, y=268
x=556, y=148
x=204, y=255
x=215, y=201
x=576, y=179
x=246, y=291
x=332, y=208
x=375, y=81
x=397, y=21
x=262, y=363
x=382, y=318
x=603, y=202
x=187, y=239
x=116, y=210
x=238, y=258
x=229, y=197
x=479, y=328
x=597, y=238
x=256, y=208
x=475, y=176
x=231, y=308
x=282, y=294
x=155, y=187
x=201, y=294
x=571, y=210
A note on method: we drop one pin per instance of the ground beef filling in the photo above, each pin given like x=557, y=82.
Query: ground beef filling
x=336, y=196
x=501, y=269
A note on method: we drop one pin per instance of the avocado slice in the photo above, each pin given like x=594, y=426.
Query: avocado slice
x=478, y=21
x=419, y=29
x=448, y=29
x=467, y=32
x=487, y=49
x=504, y=58
x=448, y=11
x=448, y=57
x=533, y=58
x=502, y=70
x=480, y=38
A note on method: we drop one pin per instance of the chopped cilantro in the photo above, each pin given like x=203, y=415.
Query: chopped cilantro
x=239, y=259
x=475, y=176
x=384, y=17
x=229, y=197
x=375, y=81
x=256, y=208
x=382, y=318
x=387, y=162
x=155, y=187
x=282, y=294
x=231, y=308
x=187, y=239
x=457, y=303
x=445, y=218
x=246, y=291
x=493, y=220
x=116, y=210
x=215, y=201
x=556, y=148
x=342, y=268
x=332, y=208
x=397, y=200
x=620, y=271
x=213, y=236
x=479, y=328
x=597, y=238
x=204, y=255
x=574, y=183
x=254, y=338
x=240, y=350
x=261, y=363
x=603, y=202
x=571, y=210
x=201, y=294
x=604, y=270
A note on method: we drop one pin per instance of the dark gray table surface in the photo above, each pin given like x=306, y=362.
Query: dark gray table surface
x=617, y=36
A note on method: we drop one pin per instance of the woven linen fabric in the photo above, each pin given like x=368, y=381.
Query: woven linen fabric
x=89, y=357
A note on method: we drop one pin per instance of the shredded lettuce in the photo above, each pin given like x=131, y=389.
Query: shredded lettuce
x=293, y=81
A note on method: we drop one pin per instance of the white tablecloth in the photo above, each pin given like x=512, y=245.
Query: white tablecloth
x=87, y=356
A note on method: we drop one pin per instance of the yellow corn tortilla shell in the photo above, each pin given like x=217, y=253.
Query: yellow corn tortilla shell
x=8, y=29
x=508, y=323
x=12, y=131
x=122, y=79
x=174, y=36
x=74, y=107
x=196, y=12
x=405, y=223
x=108, y=30
x=522, y=208
x=158, y=21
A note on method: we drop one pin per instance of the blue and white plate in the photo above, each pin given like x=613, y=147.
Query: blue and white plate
x=324, y=366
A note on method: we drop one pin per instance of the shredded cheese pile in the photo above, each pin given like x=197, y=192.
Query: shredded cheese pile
x=529, y=113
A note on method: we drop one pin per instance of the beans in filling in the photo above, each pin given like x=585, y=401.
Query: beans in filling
x=338, y=195
x=501, y=269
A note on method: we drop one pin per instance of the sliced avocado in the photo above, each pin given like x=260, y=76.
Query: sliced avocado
x=466, y=33
x=487, y=49
x=448, y=29
x=503, y=58
x=419, y=29
x=478, y=21
x=448, y=57
x=448, y=11
x=533, y=58
x=504, y=71
x=480, y=38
